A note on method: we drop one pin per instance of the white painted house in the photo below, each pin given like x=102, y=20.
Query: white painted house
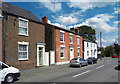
x=89, y=49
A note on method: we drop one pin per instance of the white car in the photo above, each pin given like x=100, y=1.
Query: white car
x=8, y=74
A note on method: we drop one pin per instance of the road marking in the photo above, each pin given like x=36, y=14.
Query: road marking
x=82, y=73
x=100, y=66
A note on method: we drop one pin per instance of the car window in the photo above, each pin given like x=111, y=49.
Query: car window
x=74, y=58
x=4, y=66
x=80, y=59
x=89, y=58
x=0, y=65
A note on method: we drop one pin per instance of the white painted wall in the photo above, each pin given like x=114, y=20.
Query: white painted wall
x=61, y=63
x=89, y=48
x=52, y=57
x=46, y=59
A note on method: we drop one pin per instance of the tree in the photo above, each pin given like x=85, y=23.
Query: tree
x=102, y=50
x=87, y=32
x=109, y=51
x=117, y=48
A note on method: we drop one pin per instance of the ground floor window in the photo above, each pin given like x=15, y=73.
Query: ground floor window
x=22, y=52
x=78, y=52
x=62, y=52
x=87, y=53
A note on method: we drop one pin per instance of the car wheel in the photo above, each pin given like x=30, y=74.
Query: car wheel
x=80, y=65
x=86, y=64
x=9, y=78
x=92, y=63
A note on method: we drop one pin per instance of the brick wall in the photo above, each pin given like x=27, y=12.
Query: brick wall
x=67, y=46
x=36, y=34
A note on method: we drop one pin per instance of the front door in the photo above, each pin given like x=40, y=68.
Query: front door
x=71, y=53
x=40, y=56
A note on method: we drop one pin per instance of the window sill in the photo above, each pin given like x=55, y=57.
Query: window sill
x=23, y=59
x=62, y=58
x=23, y=35
x=62, y=42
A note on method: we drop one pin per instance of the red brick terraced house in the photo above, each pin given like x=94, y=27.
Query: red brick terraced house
x=23, y=38
x=64, y=43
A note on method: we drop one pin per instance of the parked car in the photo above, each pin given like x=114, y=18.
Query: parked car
x=119, y=63
x=78, y=62
x=115, y=56
x=8, y=73
x=92, y=60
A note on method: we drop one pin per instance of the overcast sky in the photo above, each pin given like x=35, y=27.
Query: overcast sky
x=101, y=16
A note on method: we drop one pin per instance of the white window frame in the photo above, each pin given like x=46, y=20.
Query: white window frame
x=72, y=38
x=63, y=36
x=78, y=40
x=87, y=44
x=87, y=53
x=78, y=51
x=23, y=27
x=23, y=43
x=62, y=46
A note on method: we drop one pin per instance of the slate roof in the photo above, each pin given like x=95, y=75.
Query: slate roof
x=60, y=28
x=9, y=8
x=84, y=39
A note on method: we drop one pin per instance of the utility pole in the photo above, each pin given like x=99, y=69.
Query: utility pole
x=100, y=39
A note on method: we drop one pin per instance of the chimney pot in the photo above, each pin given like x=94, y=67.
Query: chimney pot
x=72, y=29
x=45, y=19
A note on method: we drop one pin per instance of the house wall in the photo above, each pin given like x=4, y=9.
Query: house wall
x=89, y=48
x=36, y=34
x=0, y=39
x=67, y=47
x=49, y=37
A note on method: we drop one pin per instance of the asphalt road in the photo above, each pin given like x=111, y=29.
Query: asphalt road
x=105, y=71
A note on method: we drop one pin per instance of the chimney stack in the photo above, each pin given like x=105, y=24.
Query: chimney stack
x=45, y=19
x=72, y=29
x=77, y=30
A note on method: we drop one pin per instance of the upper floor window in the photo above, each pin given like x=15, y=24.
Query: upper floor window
x=71, y=39
x=23, y=27
x=78, y=52
x=61, y=36
x=87, y=44
x=78, y=40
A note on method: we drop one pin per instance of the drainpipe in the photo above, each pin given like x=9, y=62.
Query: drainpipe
x=4, y=36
